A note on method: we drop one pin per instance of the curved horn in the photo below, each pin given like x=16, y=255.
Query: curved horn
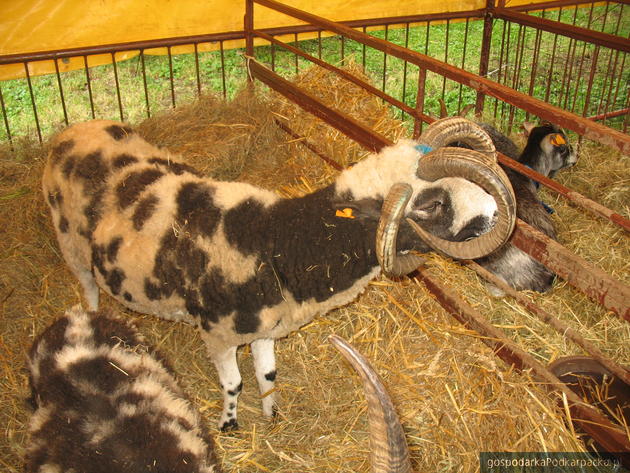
x=388, y=448
x=470, y=165
x=479, y=166
x=391, y=263
x=451, y=129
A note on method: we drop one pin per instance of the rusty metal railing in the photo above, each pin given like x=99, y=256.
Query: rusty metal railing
x=86, y=52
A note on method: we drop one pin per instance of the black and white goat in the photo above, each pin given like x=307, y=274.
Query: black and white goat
x=547, y=151
x=105, y=402
x=248, y=267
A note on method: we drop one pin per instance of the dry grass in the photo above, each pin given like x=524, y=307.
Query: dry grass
x=454, y=397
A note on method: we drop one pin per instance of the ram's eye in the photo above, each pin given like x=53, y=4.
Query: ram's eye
x=431, y=207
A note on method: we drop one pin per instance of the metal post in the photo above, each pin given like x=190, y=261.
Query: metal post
x=249, y=27
x=485, y=52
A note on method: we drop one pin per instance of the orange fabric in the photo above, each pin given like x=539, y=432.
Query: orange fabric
x=45, y=25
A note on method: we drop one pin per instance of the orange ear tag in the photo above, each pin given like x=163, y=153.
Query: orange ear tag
x=558, y=140
x=345, y=213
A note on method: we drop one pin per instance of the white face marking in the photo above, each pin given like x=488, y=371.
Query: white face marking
x=468, y=201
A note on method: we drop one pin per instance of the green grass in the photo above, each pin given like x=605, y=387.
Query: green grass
x=74, y=86
x=560, y=76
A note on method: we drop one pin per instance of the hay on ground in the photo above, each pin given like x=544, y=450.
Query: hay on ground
x=454, y=397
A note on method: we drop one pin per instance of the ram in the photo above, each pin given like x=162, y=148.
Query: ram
x=106, y=402
x=248, y=267
x=547, y=151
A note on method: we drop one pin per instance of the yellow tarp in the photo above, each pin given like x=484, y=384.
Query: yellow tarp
x=28, y=26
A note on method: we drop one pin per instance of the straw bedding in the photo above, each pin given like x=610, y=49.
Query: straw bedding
x=454, y=397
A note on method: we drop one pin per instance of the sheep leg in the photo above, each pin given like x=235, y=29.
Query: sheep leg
x=265, y=367
x=232, y=384
x=90, y=288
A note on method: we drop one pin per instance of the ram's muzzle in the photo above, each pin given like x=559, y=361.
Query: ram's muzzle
x=478, y=165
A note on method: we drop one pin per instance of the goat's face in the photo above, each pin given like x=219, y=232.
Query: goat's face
x=454, y=203
x=552, y=145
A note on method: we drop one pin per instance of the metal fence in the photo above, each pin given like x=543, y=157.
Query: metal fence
x=576, y=61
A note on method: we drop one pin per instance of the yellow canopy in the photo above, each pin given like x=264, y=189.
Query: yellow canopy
x=44, y=25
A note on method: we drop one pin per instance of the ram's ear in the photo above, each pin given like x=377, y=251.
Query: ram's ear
x=358, y=209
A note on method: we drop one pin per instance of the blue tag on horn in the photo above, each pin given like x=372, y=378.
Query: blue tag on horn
x=424, y=149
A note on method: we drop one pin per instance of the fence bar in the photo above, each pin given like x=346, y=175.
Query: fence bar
x=144, y=82
x=589, y=279
x=580, y=125
x=604, y=116
x=516, y=78
x=197, y=72
x=343, y=49
x=4, y=115
x=249, y=26
x=463, y=66
x=170, y=76
x=405, y=65
x=304, y=142
x=575, y=32
x=446, y=41
x=63, y=100
x=30, y=89
x=549, y=5
x=89, y=84
x=363, y=57
x=384, y=60
x=534, y=66
x=120, y=107
x=422, y=82
x=223, y=83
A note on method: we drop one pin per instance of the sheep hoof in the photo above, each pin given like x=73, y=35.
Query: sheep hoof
x=229, y=425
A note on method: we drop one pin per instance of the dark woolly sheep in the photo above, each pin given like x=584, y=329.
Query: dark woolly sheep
x=107, y=403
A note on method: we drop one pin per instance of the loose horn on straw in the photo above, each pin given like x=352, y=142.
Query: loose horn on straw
x=388, y=448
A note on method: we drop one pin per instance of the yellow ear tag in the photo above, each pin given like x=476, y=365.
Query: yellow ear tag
x=345, y=213
x=558, y=140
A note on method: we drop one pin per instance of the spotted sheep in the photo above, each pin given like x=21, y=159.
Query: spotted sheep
x=246, y=266
x=547, y=151
x=105, y=401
